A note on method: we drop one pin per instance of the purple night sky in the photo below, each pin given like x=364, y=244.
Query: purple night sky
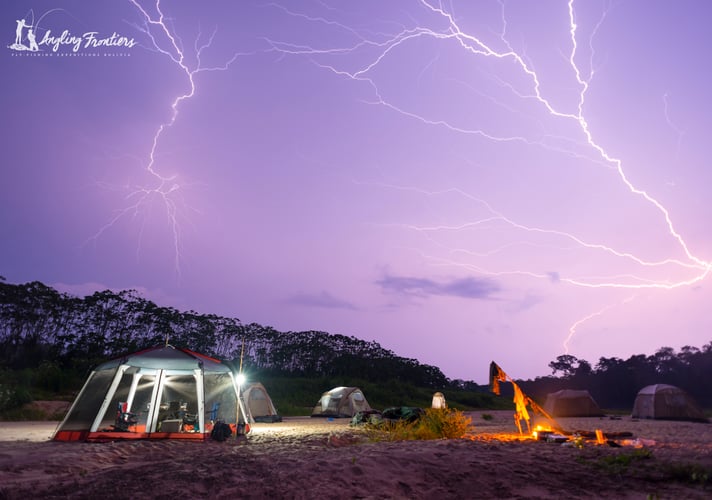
x=461, y=181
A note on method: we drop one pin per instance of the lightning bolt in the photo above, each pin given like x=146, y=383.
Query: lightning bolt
x=167, y=189
x=680, y=133
x=494, y=217
x=377, y=51
x=600, y=312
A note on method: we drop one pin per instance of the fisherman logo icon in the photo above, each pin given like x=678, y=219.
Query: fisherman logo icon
x=20, y=37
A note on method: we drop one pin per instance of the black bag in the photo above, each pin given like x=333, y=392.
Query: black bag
x=221, y=431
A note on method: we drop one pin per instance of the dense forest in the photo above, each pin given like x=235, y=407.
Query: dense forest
x=614, y=382
x=40, y=326
x=59, y=338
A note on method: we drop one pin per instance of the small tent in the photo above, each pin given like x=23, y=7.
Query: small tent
x=571, y=403
x=160, y=392
x=341, y=402
x=662, y=401
x=439, y=400
x=258, y=403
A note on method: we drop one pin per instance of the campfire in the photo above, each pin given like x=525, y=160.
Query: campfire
x=547, y=428
x=521, y=401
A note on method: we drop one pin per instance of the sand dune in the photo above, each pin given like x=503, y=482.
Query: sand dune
x=311, y=458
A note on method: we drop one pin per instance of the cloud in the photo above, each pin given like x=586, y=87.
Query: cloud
x=323, y=299
x=469, y=288
x=528, y=301
x=554, y=276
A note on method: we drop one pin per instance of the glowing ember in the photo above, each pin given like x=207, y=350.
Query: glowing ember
x=600, y=439
x=541, y=430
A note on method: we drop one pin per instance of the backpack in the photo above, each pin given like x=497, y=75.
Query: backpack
x=221, y=431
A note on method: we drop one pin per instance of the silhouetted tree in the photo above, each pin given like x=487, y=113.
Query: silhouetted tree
x=44, y=329
x=566, y=364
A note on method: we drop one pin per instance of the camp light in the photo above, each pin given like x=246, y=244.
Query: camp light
x=240, y=379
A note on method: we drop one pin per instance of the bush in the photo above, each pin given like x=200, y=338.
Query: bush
x=435, y=423
x=13, y=397
x=620, y=462
x=26, y=414
x=690, y=473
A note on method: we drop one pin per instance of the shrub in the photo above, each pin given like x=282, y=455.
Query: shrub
x=620, y=462
x=13, y=397
x=690, y=473
x=435, y=423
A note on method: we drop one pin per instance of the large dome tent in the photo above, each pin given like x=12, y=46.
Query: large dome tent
x=666, y=402
x=571, y=403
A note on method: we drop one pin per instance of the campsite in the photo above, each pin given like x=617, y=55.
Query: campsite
x=140, y=420
x=300, y=455
x=145, y=425
x=269, y=249
x=591, y=455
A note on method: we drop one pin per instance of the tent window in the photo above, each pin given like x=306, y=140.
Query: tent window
x=85, y=408
x=220, y=391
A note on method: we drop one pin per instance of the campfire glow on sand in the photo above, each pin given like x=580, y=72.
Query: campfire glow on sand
x=547, y=430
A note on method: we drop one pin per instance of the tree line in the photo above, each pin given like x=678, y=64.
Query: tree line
x=60, y=337
x=40, y=326
x=615, y=382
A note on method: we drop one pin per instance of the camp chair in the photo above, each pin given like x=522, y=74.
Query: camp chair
x=174, y=408
x=124, y=418
x=186, y=418
x=192, y=420
x=213, y=413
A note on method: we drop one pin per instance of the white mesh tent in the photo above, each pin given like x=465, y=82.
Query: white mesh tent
x=663, y=401
x=571, y=403
x=258, y=403
x=341, y=402
x=161, y=392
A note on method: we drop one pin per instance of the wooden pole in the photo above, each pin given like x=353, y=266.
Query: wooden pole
x=239, y=392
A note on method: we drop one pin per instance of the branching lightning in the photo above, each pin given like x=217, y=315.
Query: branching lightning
x=601, y=312
x=166, y=188
x=692, y=269
x=680, y=133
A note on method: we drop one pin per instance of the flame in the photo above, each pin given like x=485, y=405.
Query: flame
x=600, y=438
x=521, y=400
x=540, y=429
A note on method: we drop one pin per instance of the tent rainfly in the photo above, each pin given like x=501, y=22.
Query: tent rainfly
x=662, y=401
x=160, y=392
x=571, y=403
x=258, y=403
x=341, y=402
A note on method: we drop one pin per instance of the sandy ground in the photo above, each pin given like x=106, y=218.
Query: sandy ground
x=304, y=458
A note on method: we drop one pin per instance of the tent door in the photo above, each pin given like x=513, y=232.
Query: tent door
x=108, y=397
x=152, y=419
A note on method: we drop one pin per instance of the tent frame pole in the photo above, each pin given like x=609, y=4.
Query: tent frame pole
x=108, y=397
